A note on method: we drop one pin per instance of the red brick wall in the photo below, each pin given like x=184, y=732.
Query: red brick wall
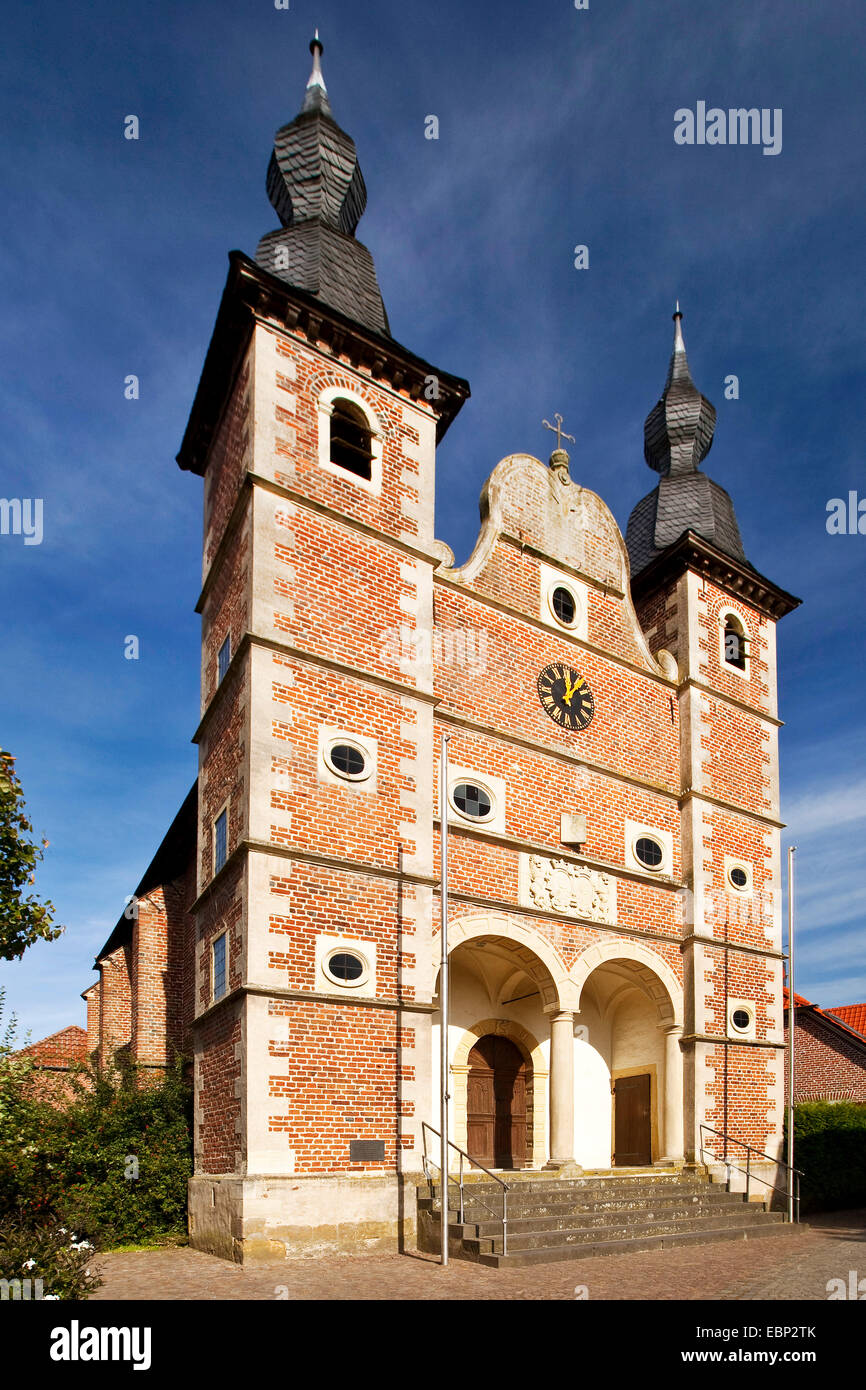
x=826, y=1066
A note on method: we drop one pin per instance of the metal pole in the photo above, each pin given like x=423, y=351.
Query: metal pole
x=443, y=992
x=792, y=849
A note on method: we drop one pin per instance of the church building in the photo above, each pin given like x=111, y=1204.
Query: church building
x=615, y=937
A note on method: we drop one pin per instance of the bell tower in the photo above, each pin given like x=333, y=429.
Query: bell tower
x=698, y=596
x=315, y=433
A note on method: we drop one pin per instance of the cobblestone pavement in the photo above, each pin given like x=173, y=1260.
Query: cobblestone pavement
x=782, y=1265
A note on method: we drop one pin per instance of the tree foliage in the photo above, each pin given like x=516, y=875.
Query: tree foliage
x=23, y=918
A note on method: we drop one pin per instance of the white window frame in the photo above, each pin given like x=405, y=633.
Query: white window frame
x=749, y=1006
x=745, y=672
x=495, y=789
x=328, y=945
x=324, y=412
x=730, y=863
x=635, y=831
x=328, y=738
x=551, y=579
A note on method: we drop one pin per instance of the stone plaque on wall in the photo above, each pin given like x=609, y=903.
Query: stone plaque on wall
x=366, y=1150
x=569, y=890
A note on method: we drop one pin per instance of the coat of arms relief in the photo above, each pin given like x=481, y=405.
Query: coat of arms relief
x=572, y=890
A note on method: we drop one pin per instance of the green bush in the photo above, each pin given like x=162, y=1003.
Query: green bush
x=111, y=1163
x=58, y=1258
x=830, y=1149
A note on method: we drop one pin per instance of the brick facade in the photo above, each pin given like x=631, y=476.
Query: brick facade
x=349, y=621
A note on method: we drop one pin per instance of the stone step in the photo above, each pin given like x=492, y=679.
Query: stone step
x=527, y=1192
x=550, y=1255
x=557, y=1206
x=595, y=1221
x=590, y=1235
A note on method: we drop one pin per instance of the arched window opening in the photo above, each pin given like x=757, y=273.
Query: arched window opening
x=351, y=439
x=735, y=643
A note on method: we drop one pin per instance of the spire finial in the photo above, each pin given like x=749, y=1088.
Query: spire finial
x=559, y=458
x=316, y=97
x=679, y=341
x=317, y=49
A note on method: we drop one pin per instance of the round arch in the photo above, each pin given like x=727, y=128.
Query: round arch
x=530, y=1049
x=652, y=972
x=534, y=954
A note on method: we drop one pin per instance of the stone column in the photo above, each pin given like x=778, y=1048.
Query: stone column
x=561, y=1088
x=673, y=1135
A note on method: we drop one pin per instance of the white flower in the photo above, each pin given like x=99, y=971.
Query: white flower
x=28, y=1264
x=61, y=1230
x=51, y=1298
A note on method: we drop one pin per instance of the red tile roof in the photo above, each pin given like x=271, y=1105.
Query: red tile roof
x=835, y=1016
x=59, y=1050
x=852, y=1014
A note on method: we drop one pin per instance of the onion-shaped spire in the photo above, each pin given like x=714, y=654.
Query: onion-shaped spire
x=678, y=432
x=316, y=186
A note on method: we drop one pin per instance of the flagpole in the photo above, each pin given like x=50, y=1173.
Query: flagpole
x=443, y=993
x=792, y=849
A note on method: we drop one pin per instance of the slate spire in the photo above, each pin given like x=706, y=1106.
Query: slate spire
x=317, y=189
x=678, y=434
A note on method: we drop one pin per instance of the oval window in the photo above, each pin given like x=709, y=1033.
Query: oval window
x=563, y=605
x=345, y=967
x=472, y=801
x=648, y=852
x=741, y=1019
x=348, y=760
x=739, y=878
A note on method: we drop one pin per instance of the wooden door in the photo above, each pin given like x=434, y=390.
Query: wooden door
x=496, y=1104
x=632, y=1126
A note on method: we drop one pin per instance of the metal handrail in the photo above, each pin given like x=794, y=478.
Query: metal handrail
x=444, y=1185
x=732, y=1139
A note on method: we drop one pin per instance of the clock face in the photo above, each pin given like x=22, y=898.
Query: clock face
x=565, y=695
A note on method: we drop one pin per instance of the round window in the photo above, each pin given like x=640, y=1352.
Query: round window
x=563, y=605
x=345, y=967
x=348, y=760
x=739, y=878
x=472, y=801
x=648, y=852
x=741, y=1019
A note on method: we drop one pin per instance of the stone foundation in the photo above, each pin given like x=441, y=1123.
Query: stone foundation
x=259, y=1219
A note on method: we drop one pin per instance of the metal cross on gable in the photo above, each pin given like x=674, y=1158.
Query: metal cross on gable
x=558, y=430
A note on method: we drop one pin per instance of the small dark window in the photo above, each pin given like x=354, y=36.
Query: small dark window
x=224, y=658
x=351, y=440
x=741, y=1019
x=649, y=852
x=739, y=878
x=344, y=966
x=221, y=834
x=348, y=760
x=735, y=644
x=219, y=967
x=563, y=605
x=472, y=801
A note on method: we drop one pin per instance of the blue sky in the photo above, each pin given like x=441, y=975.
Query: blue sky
x=556, y=129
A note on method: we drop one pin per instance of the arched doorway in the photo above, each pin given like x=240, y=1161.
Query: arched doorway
x=496, y=1103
